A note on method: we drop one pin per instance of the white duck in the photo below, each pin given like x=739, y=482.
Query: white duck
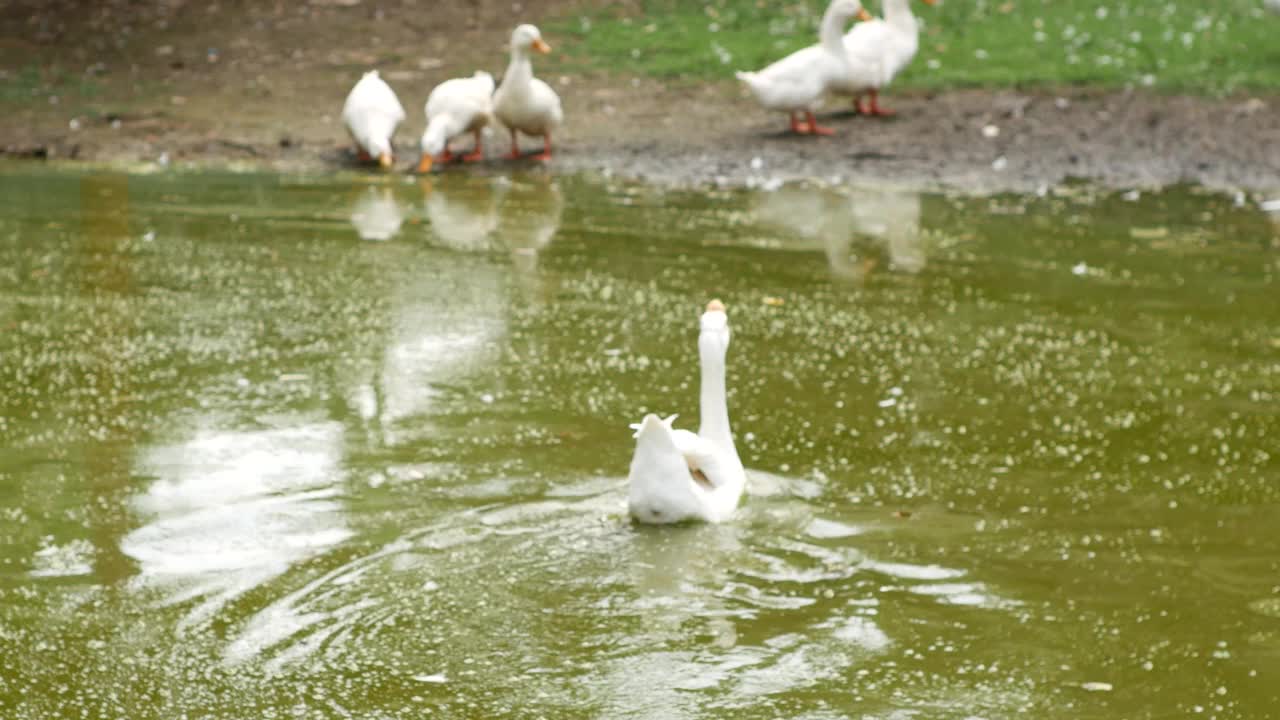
x=523, y=102
x=455, y=107
x=884, y=47
x=798, y=82
x=371, y=113
x=677, y=475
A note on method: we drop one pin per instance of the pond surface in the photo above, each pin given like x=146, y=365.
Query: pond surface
x=350, y=447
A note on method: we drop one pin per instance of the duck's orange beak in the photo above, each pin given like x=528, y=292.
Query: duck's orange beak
x=863, y=15
x=930, y=2
x=424, y=165
x=541, y=46
x=385, y=160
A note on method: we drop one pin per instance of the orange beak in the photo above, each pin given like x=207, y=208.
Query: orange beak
x=385, y=160
x=930, y=2
x=863, y=15
x=541, y=46
x=424, y=165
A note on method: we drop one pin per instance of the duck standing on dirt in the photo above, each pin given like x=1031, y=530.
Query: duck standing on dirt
x=798, y=82
x=371, y=113
x=455, y=107
x=523, y=102
x=888, y=45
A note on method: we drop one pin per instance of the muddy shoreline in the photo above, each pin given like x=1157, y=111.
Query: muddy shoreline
x=260, y=86
x=969, y=141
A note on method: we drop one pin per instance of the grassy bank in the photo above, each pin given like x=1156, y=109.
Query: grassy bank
x=1215, y=46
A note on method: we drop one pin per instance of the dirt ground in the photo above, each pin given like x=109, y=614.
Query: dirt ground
x=261, y=84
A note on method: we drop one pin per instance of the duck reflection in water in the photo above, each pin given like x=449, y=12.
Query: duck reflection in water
x=529, y=218
x=462, y=211
x=377, y=214
x=833, y=221
x=520, y=216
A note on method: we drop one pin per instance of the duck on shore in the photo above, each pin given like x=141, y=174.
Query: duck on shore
x=797, y=83
x=523, y=103
x=883, y=47
x=454, y=108
x=371, y=114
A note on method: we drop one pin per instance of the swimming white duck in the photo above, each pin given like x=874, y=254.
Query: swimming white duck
x=885, y=47
x=371, y=113
x=798, y=82
x=677, y=475
x=455, y=107
x=523, y=102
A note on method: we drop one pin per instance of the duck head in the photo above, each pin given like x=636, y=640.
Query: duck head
x=526, y=37
x=713, y=338
x=846, y=9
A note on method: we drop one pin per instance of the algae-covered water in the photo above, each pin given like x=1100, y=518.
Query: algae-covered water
x=348, y=447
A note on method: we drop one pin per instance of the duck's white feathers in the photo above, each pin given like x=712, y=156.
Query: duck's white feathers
x=371, y=114
x=679, y=475
x=676, y=475
x=457, y=106
x=523, y=102
x=880, y=49
x=796, y=82
x=799, y=81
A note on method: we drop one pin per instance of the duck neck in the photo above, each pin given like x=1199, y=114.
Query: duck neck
x=898, y=14
x=714, y=405
x=519, y=70
x=433, y=140
x=831, y=32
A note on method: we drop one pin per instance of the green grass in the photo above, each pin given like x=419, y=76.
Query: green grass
x=32, y=83
x=1213, y=46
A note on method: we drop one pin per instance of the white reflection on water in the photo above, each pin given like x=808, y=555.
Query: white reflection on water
x=462, y=214
x=831, y=220
x=521, y=216
x=230, y=510
x=529, y=219
x=377, y=214
x=893, y=217
x=442, y=323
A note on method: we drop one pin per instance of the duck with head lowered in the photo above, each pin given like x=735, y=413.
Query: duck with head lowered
x=798, y=82
x=523, y=103
x=371, y=113
x=455, y=107
x=678, y=475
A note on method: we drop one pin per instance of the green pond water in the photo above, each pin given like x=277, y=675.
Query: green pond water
x=356, y=447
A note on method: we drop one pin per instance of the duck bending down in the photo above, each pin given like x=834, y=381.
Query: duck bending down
x=798, y=82
x=371, y=113
x=523, y=102
x=678, y=475
x=885, y=46
x=455, y=107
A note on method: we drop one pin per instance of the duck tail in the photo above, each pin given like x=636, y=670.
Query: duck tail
x=746, y=77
